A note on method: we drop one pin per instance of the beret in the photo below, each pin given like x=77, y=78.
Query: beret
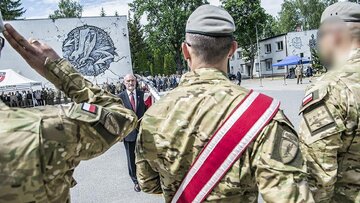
x=211, y=21
x=344, y=11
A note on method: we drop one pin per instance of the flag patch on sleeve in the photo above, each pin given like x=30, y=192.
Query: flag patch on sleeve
x=308, y=98
x=91, y=108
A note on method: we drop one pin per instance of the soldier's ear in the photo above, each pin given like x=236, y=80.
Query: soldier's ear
x=234, y=46
x=185, y=51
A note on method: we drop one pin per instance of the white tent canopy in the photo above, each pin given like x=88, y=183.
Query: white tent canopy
x=12, y=81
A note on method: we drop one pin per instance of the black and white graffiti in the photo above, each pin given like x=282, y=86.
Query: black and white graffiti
x=312, y=42
x=90, y=49
x=296, y=42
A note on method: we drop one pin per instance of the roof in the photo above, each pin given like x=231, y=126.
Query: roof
x=280, y=35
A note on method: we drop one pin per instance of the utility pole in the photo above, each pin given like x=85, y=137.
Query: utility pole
x=258, y=51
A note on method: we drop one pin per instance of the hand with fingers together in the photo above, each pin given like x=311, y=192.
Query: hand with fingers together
x=34, y=52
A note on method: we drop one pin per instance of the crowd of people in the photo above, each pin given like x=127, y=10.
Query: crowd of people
x=29, y=98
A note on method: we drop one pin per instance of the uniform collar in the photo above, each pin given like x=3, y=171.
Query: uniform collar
x=203, y=75
x=354, y=56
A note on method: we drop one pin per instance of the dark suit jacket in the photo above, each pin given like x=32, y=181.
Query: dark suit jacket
x=140, y=110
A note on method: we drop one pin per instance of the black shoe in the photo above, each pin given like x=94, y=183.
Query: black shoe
x=137, y=188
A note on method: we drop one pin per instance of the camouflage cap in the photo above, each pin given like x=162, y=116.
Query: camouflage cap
x=211, y=21
x=344, y=11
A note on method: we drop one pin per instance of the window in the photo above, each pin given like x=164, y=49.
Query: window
x=301, y=55
x=280, y=46
x=257, y=67
x=268, y=65
x=239, y=55
x=268, y=48
x=242, y=68
x=280, y=67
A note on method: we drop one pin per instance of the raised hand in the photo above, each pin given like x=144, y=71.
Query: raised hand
x=34, y=52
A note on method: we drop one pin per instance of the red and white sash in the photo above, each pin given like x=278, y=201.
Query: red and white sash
x=226, y=146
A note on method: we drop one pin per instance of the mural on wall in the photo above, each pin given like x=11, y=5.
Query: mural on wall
x=312, y=42
x=90, y=49
x=296, y=42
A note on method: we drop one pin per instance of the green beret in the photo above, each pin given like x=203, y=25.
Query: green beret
x=344, y=11
x=211, y=21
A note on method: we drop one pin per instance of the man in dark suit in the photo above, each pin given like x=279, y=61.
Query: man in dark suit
x=133, y=99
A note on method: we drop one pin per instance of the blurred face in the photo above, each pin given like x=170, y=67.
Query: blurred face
x=130, y=82
x=331, y=40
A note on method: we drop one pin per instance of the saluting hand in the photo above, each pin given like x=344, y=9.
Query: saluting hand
x=34, y=52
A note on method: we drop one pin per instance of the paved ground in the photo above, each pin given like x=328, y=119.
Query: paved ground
x=105, y=179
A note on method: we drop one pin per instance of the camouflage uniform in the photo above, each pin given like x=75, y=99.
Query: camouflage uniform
x=330, y=134
x=40, y=148
x=175, y=129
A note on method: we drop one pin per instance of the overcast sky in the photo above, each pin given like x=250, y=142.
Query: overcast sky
x=42, y=8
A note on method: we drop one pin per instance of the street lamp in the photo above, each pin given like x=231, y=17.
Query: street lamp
x=258, y=51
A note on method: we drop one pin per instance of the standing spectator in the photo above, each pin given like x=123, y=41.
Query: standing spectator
x=309, y=73
x=299, y=74
x=29, y=99
x=238, y=77
x=19, y=98
x=58, y=96
x=24, y=98
x=38, y=97
x=133, y=99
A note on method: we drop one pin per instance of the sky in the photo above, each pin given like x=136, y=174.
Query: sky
x=42, y=8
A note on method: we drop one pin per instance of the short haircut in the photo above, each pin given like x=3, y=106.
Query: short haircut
x=210, y=49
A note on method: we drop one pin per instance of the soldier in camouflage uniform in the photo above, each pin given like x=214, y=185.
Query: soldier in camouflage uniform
x=175, y=129
x=330, y=128
x=40, y=148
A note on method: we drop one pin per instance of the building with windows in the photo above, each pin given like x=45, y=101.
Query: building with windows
x=274, y=50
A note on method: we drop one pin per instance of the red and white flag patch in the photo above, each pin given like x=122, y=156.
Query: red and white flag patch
x=308, y=98
x=91, y=108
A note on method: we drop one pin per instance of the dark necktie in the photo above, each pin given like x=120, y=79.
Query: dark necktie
x=132, y=101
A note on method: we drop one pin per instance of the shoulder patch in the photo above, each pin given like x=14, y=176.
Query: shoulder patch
x=85, y=112
x=91, y=108
x=286, y=147
x=318, y=119
x=313, y=97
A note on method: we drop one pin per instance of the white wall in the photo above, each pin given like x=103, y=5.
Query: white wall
x=92, y=49
x=274, y=56
x=299, y=42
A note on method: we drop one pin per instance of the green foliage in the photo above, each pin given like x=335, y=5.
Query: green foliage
x=11, y=9
x=102, y=12
x=138, y=47
x=303, y=13
x=316, y=63
x=165, y=28
x=248, y=15
x=67, y=9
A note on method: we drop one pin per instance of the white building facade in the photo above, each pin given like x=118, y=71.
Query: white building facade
x=274, y=50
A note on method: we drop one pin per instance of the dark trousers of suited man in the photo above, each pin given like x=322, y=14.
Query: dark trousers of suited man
x=133, y=99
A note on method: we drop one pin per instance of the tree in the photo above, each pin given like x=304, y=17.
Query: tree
x=166, y=24
x=248, y=15
x=67, y=9
x=316, y=62
x=102, y=12
x=138, y=47
x=11, y=9
x=304, y=13
x=289, y=17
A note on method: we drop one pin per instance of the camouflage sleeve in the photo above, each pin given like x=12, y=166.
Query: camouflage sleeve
x=279, y=165
x=320, y=134
x=148, y=177
x=99, y=118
